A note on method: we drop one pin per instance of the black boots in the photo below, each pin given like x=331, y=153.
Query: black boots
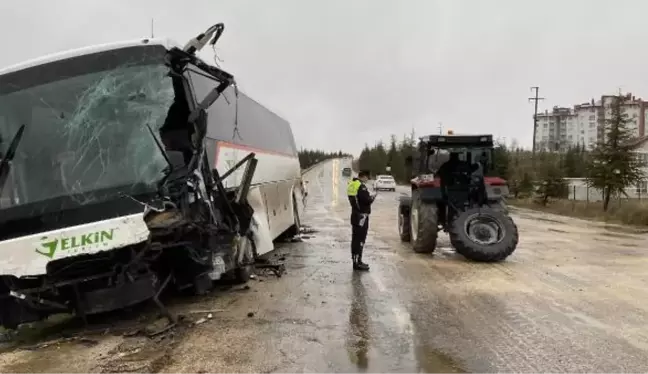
x=358, y=264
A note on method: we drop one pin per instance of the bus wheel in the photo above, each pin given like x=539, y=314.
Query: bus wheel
x=243, y=271
x=295, y=229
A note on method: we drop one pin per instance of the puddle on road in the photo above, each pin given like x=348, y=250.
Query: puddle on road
x=368, y=353
x=358, y=336
x=368, y=344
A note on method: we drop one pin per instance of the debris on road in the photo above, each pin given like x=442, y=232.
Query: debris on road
x=76, y=339
x=159, y=326
x=278, y=269
x=208, y=312
x=137, y=354
x=307, y=230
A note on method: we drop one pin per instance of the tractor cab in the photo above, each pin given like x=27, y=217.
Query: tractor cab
x=473, y=152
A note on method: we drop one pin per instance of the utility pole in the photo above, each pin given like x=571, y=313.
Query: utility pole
x=535, y=121
x=440, y=128
x=152, y=34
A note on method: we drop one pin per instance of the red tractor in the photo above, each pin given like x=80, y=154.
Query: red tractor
x=453, y=191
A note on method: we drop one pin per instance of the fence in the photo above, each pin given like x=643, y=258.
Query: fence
x=582, y=192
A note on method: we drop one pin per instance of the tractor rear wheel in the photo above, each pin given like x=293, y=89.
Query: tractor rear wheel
x=484, y=234
x=423, y=225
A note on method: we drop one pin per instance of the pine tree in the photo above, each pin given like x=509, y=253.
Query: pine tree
x=393, y=150
x=552, y=182
x=574, y=162
x=364, y=161
x=395, y=160
x=525, y=186
x=309, y=157
x=501, y=162
x=380, y=160
x=613, y=165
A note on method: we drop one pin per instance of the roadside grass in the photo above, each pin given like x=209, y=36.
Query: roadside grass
x=631, y=212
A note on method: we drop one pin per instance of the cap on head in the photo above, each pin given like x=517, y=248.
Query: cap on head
x=363, y=174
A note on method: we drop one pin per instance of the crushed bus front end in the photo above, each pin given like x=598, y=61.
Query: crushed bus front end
x=106, y=193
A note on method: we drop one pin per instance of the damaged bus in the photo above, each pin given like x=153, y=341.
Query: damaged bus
x=131, y=167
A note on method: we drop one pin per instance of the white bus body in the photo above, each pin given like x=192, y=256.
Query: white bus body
x=88, y=158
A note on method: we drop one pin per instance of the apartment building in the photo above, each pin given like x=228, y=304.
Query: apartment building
x=583, y=125
x=641, y=149
x=552, y=132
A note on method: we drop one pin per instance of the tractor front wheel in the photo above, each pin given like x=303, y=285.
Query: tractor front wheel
x=404, y=206
x=423, y=225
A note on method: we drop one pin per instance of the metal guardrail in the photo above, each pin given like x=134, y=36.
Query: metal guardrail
x=304, y=171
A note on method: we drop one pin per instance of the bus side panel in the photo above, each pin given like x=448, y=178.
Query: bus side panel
x=263, y=237
x=238, y=126
x=276, y=177
x=279, y=210
x=247, y=123
x=272, y=167
x=272, y=222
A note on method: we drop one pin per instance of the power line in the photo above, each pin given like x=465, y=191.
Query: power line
x=535, y=120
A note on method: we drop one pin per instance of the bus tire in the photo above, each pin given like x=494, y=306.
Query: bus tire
x=295, y=229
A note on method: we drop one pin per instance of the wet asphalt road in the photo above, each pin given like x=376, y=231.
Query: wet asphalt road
x=572, y=298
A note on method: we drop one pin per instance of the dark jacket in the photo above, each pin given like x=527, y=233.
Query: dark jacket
x=452, y=171
x=359, y=197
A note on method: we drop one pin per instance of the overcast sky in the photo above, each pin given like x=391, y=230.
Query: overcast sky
x=350, y=72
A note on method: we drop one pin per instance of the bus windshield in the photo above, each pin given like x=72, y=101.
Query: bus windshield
x=85, y=122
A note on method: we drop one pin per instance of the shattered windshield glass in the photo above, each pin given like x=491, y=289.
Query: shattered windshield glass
x=86, y=125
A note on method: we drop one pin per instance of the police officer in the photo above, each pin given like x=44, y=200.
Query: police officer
x=361, y=201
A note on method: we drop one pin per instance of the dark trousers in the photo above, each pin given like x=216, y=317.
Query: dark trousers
x=358, y=234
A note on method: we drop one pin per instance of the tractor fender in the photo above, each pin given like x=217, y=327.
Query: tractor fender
x=499, y=205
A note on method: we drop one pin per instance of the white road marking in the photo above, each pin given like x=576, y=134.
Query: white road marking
x=335, y=175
